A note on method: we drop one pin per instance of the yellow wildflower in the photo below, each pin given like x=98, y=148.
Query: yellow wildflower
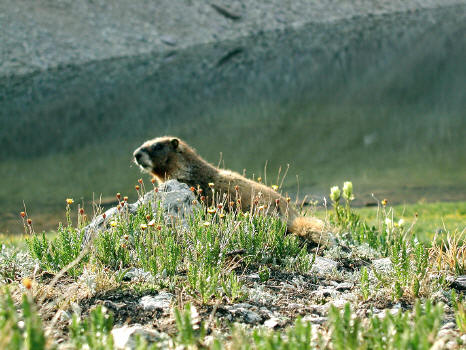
x=27, y=283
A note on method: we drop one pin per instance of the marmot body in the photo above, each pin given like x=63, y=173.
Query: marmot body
x=171, y=158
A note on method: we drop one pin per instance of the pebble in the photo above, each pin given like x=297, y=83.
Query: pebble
x=244, y=311
x=271, y=323
x=315, y=319
x=323, y=266
x=168, y=40
x=125, y=337
x=344, y=286
x=161, y=301
x=113, y=306
x=325, y=293
x=383, y=265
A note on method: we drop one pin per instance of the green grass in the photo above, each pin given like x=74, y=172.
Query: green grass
x=431, y=217
x=16, y=240
x=193, y=261
x=435, y=217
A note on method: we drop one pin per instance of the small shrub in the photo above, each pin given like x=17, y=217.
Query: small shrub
x=404, y=330
x=94, y=332
x=30, y=335
x=190, y=332
x=57, y=253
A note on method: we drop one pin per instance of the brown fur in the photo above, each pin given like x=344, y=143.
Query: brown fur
x=172, y=158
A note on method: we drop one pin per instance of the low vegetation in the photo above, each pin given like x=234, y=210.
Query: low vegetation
x=218, y=261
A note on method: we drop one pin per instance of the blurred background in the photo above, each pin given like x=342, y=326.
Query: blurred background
x=368, y=91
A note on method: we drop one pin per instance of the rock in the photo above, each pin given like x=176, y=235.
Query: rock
x=315, y=319
x=253, y=277
x=344, y=286
x=449, y=325
x=339, y=303
x=161, y=301
x=271, y=323
x=168, y=40
x=243, y=311
x=459, y=283
x=383, y=265
x=258, y=294
x=323, y=266
x=63, y=315
x=319, y=309
x=176, y=200
x=124, y=337
x=138, y=275
x=176, y=197
x=295, y=306
x=265, y=313
x=446, y=333
x=325, y=293
x=251, y=317
x=113, y=306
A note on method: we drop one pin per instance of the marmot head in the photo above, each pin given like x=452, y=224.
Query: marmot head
x=158, y=156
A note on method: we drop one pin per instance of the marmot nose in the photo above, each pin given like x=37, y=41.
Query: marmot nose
x=138, y=155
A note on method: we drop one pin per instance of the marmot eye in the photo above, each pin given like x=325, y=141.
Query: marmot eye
x=157, y=147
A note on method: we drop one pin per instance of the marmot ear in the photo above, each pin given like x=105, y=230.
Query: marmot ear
x=175, y=143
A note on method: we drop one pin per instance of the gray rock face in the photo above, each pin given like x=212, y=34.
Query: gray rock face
x=97, y=55
x=40, y=35
x=174, y=197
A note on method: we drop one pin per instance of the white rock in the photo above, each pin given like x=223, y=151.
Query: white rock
x=124, y=337
x=315, y=319
x=339, y=303
x=271, y=323
x=323, y=266
x=258, y=294
x=383, y=265
x=325, y=293
x=161, y=301
x=63, y=315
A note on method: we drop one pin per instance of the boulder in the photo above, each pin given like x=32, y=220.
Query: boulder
x=175, y=199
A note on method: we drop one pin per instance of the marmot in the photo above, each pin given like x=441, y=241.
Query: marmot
x=170, y=158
